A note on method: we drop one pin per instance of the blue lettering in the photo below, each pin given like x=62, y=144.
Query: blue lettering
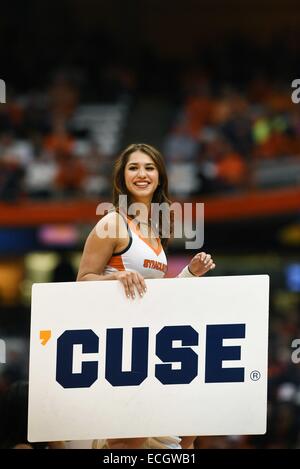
x=64, y=359
x=188, y=358
x=216, y=353
x=139, y=357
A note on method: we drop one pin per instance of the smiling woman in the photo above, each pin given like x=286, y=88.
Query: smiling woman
x=134, y=249
x=141, y=176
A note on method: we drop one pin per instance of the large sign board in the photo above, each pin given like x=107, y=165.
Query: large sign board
x=189, y=358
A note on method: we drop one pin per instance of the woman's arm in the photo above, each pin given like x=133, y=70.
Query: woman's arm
x=98, y=250
x=199, y=265
x=100, y=245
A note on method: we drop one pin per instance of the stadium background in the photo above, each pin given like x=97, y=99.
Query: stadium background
x=209, y=83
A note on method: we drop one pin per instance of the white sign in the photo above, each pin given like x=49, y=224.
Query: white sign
x=189, y=358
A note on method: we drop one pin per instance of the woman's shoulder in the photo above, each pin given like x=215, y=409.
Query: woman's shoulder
x=113, y=218
x=112, y=224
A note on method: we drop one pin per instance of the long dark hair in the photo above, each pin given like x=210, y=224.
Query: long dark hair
x=161, y=194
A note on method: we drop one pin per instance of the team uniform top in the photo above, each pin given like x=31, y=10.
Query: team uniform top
x=139, y=256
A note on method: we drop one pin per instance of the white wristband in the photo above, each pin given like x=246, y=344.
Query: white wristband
x=186, y=273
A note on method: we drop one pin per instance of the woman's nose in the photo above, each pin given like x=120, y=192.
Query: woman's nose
x=142, y=172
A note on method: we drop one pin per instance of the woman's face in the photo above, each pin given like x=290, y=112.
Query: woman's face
x=141, y=176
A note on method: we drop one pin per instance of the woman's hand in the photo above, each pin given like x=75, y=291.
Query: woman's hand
x=201, y=263
x=130, y=280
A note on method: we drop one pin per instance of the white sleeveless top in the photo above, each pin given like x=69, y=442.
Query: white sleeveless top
x=139, y=256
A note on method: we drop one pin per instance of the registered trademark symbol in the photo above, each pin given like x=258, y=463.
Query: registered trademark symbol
x=255, y=375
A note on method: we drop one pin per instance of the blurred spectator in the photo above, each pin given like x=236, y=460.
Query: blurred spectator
x=14, y=158
x=70, y=175
x=63, y=96
x=14, y=417
x=64, y=271
x=59, y=140
x=40, y=176
x=231, y=170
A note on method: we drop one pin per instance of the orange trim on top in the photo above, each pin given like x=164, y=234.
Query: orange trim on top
x=139, y=234
x=116, y=262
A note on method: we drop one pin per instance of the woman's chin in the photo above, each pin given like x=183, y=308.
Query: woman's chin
x=142, y=193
